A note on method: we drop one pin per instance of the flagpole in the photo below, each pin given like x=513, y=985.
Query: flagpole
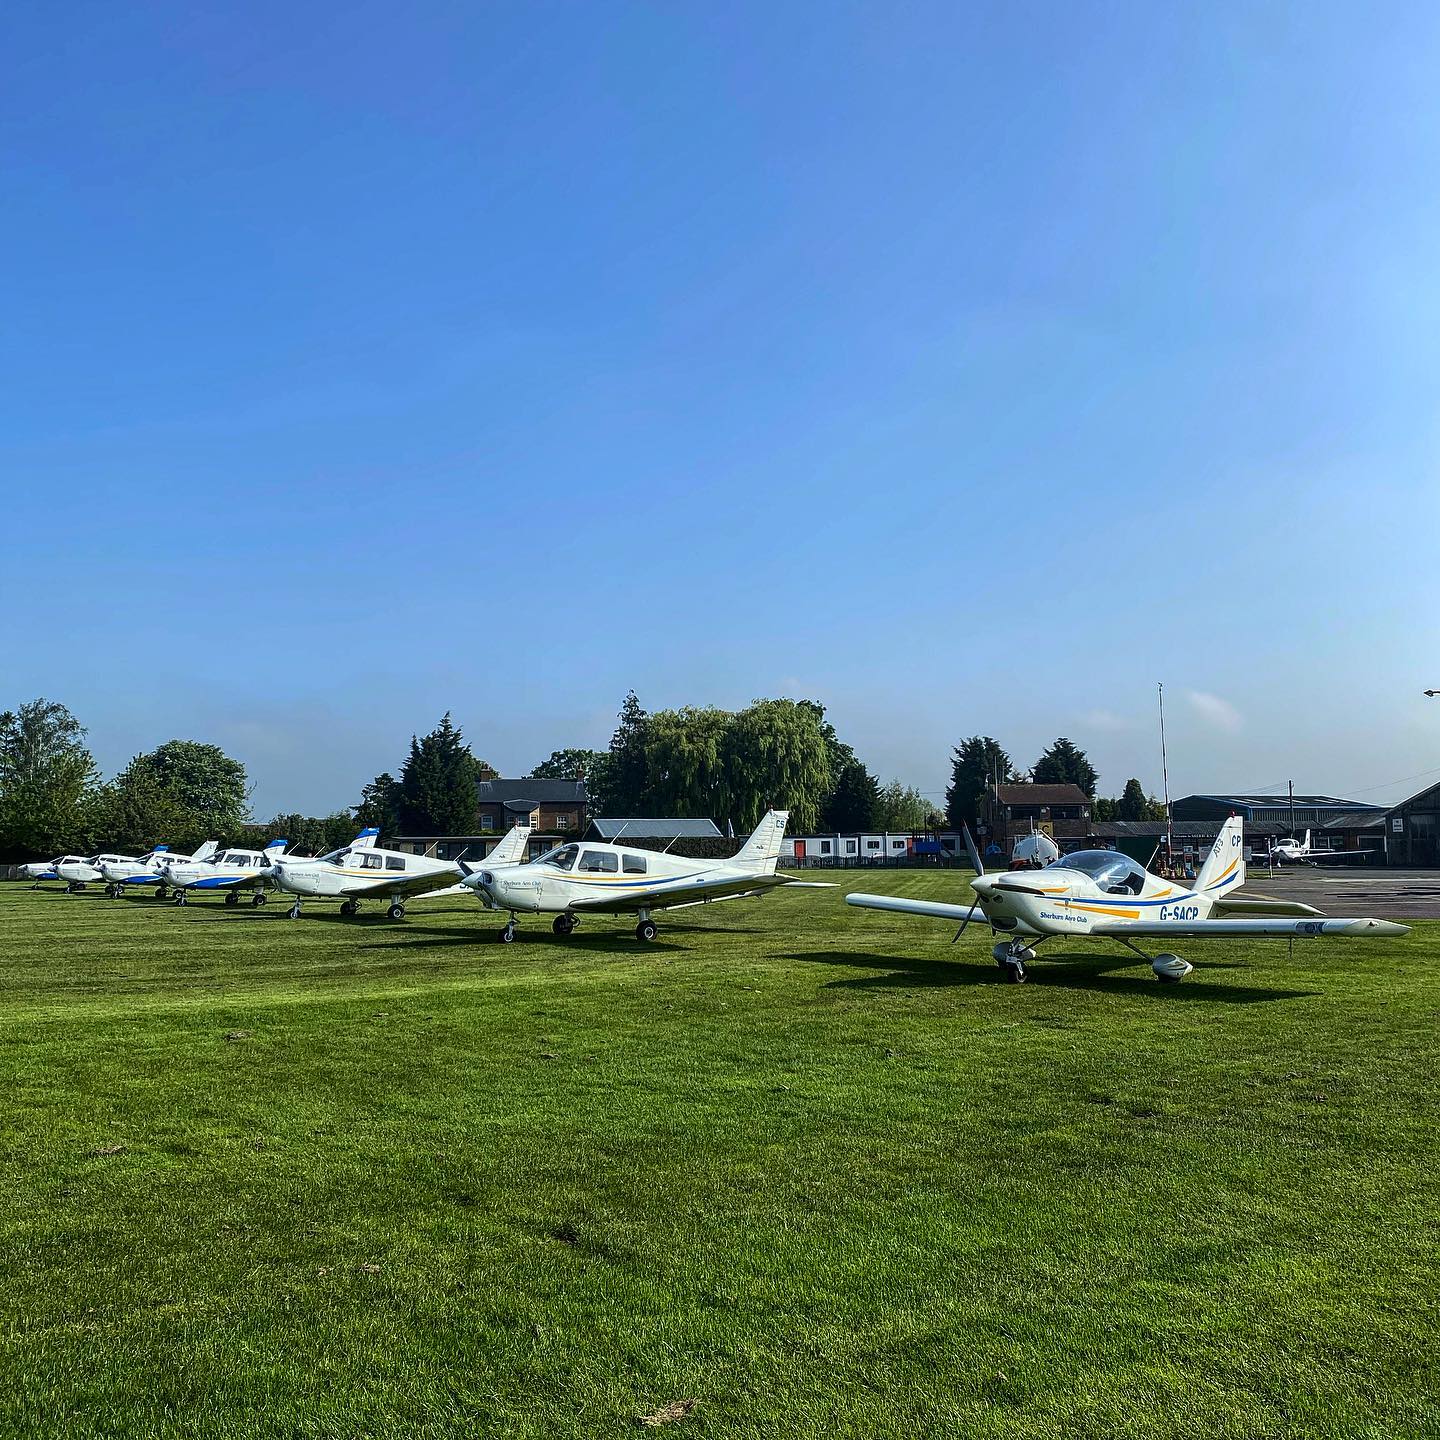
x=1165, y=781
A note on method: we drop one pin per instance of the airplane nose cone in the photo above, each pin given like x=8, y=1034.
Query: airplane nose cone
x=983, y=885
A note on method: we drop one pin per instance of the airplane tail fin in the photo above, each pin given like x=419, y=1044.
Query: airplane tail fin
x=1307, y=840
x=275, y=849
x=762, y=849
x=1224, y=867
x=206, y=850
x=367, y=839
x=511, y=850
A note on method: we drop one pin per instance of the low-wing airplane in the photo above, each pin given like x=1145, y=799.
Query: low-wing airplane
x=1106, y=894
x=360, y=871
x=120, y=871
x=591, y=878
x=37, y=870
x=78, y=871
x=231, y=871
x=1301, y=852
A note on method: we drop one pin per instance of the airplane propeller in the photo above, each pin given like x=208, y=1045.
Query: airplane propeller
x=979, y=865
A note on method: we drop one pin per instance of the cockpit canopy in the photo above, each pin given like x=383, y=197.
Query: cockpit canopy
x=1114, y=873
x=562, y=857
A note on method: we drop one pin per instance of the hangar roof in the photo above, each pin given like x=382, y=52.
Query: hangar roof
x=646, y=828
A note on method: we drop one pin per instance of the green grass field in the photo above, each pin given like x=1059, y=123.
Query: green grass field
x=813, y=1168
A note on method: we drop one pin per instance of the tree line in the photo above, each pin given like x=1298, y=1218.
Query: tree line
x=730, y=766
x=979, y=763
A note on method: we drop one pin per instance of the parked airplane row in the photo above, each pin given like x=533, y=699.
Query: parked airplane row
x=1089, y=894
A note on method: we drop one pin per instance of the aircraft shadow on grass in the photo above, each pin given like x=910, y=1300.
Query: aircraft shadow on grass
x=1074, y=971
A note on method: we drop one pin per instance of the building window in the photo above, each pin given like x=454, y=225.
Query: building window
x=563, y=822
x=824, y=847
x=487, y=822
x=849, y=847
x=872, y=844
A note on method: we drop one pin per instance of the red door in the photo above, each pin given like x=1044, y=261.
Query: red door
x=799, y=849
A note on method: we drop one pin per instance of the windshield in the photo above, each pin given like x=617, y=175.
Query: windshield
x=336, y=856
x=562, y=858
x=1109, y=869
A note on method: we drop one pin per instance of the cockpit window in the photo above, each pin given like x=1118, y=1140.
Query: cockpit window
x=1113, y=872
x=562, y=858
x=336, y=857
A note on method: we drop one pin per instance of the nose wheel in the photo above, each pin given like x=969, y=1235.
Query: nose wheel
x=180, y=898
x=294, y=911
x=1012, y=958
x=113, y=891
x=507, y=935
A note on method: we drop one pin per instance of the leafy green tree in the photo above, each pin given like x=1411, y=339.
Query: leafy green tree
x=1135, y=804
x=854, y=802
x=1064, y=763
x=976, y=764
x=776, y=755
x=1104, y=808
x=381, y=804
x=135, y=812
x=687, y=770
x=901, y=807
x=437, y=783
x=47, y=780
x=568, y=765
x=626, y=772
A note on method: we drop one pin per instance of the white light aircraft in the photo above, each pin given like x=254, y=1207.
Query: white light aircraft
x=38, y=870
x=1300, y=852
x=78, y=871
x=1105, y=894
x=591, y=878
x=120, y=871
x=359, y=871
x=231, y=871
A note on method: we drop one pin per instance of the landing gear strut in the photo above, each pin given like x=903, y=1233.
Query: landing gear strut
x=182, y=899
x=564, y=923
x=294, y=911
x=114, y=891
x=1011, y=956
x=1168, y=969
x=507, y=935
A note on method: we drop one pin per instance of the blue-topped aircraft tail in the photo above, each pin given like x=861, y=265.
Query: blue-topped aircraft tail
x=367, y=839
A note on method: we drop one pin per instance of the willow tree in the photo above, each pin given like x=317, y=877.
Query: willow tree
x=778, y=758
x=686, y=761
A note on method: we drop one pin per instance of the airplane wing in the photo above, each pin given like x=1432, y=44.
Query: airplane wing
x=685, y=892
x=1244, y=905
x=933, y=908
x=408, y=885
x=1255, y=926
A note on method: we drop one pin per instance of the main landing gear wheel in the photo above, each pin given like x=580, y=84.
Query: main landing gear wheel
x=396, y=911
x=564, y=924
x=294, y=911
x=646, y=930
x=232, y=899
x=1170, y=969
x=162, y=893
x=349, y=908
x=73, y=887
x=507, y=935
x=259, y=898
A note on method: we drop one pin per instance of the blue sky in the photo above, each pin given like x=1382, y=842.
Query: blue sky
x=965, y=368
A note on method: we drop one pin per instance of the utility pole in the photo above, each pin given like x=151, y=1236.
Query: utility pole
x=1291, y=784
x=1165, y=781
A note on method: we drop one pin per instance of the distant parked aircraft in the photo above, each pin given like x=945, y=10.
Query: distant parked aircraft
x=1105, y=893
x=591, y=878
x=232, y=871
x=359, y=871
x=1301, y=852
x=120, y=871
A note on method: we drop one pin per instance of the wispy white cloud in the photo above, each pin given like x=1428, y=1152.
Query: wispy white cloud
x=1216, y=712
x=1108, y=722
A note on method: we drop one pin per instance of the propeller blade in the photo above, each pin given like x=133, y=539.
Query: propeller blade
x=961, y=930
x=466, y=868
x=971, y=851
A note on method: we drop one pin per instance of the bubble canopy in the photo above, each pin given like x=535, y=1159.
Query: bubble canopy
x=1109, y=869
